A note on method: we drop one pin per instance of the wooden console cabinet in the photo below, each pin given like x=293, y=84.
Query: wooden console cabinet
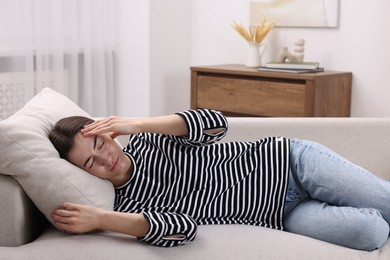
x=238, y=90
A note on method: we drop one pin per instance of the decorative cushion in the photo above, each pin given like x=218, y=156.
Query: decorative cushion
x=28, y=155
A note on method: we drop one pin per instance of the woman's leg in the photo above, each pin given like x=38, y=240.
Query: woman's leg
x=326, y=176
x=331, y=199
x=362, y=229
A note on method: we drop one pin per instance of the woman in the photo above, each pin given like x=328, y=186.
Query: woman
x=173, y=176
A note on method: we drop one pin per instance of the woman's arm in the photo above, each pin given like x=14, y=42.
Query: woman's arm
x=197, y=127
x=78, y=219
x=170, y=125
x=204, y=126
x=161, y=229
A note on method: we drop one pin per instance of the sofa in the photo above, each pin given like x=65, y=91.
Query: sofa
x=25, y=232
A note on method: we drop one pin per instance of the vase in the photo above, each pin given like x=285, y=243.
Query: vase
x=256, y=51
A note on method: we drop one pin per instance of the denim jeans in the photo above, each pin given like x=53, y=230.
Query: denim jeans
x=331, y=199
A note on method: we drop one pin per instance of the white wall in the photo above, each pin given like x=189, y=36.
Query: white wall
x=154, y=76
x=153, y=57
x=132, y=59
x=170, y=37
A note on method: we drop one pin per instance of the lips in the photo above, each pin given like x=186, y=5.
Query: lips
x=114, y=164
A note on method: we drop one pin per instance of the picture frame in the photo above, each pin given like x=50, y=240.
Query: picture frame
x=296, y=13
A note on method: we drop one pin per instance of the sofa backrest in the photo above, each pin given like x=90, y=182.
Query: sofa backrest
x=364, y=141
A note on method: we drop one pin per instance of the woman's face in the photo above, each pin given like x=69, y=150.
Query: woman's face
x=102, y=157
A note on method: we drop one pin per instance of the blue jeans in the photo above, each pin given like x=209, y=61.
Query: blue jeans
x=334, y=200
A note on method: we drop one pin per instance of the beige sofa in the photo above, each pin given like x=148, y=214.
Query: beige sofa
x=364, y=141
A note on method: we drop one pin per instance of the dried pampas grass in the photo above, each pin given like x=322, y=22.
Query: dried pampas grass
x=254, y=34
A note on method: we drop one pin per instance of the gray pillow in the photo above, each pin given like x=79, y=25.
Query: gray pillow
x=28, y=155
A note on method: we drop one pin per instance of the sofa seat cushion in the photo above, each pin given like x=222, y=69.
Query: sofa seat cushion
x=212, y=242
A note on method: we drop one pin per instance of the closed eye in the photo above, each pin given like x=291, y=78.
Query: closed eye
x=90, y=159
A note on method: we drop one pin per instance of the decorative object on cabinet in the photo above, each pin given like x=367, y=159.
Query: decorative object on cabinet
x=284, y=56
x=254, y=35
x=296, y=71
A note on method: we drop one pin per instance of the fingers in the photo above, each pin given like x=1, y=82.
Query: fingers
x=63, y=215
x=112, y=125
x=71, y=206
x=99, y=127
x=65, y=218
x=62, y=220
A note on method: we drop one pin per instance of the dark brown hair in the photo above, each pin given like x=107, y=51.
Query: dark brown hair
x=64, y=131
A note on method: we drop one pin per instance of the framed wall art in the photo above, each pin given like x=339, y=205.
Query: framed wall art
x=296, y=13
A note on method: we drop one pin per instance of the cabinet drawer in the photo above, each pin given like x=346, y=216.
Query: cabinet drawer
x=252, y=97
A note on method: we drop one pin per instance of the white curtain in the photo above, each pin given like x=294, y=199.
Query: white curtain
x=63, y=44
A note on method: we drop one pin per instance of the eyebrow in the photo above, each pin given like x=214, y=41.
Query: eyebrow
x=94, y=146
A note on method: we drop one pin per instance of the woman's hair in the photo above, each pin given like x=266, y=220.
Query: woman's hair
x=64, y=131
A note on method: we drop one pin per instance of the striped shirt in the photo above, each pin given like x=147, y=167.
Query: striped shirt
x=181, y=182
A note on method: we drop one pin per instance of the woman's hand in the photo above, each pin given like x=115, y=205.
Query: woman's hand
x=78, y=219
x=113, y=125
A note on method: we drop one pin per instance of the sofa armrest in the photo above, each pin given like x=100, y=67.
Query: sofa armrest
x=20, y=220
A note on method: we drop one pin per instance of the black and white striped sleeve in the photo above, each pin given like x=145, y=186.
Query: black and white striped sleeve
x=200, y=120
x=169, y=229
